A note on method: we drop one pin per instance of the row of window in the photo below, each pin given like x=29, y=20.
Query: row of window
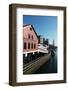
x=30, y=45
x=30, y=36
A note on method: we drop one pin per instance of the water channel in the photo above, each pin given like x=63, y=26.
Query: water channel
x=50, y=66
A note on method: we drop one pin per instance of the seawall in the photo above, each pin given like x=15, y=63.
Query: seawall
x=33, y=66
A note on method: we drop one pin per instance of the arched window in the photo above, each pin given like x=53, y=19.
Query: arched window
x=32, y=45
x=28, y=45
x=24, y=45
x=28, y=36
x=30, y=28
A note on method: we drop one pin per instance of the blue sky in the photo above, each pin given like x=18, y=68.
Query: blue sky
x=44, y=25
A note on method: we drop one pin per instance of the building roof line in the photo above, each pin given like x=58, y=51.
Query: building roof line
x=32, y=27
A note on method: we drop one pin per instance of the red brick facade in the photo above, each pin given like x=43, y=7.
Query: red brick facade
x=30, y=39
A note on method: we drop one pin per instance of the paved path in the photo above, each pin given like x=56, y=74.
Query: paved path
x=33, y=66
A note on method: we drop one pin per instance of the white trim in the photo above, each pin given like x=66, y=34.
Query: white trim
x=40, y=77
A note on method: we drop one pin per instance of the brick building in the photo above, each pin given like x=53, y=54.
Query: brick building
x=31, y=48
x=30, y=39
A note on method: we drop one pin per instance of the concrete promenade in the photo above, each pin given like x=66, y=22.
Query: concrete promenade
x=34, y=65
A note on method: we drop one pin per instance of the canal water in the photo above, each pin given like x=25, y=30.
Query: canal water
x=49, y=67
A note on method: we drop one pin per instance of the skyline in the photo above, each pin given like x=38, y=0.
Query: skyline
x=44, y=25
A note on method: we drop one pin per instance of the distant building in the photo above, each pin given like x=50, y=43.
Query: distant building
x=46, y=42
x=43, y=41
x=40, y=39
